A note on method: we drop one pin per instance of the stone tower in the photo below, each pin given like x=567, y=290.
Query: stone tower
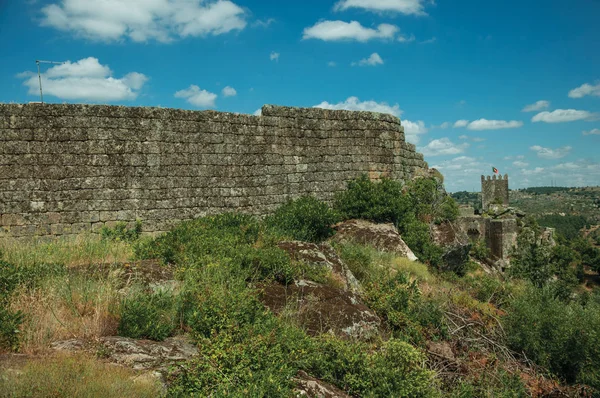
x=494, y=190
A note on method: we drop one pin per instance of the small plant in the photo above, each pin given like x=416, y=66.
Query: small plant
x=10, y=323
x=479, y=250
x=149, y=315
x=306, y=219
x=120, y=232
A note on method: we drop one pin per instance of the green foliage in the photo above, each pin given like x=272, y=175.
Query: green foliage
x=398, y=300
x=120, y=232
x=306, y=219
x=562, y=336
x=479, y=250
x=148, y=315
x=567, y=226
x=410, y=209
x=382, y=201
x=590, y=255
x=497, y=384
x=10, y=322
x=393, y=370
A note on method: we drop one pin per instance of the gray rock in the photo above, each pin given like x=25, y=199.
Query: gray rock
x=310, y=387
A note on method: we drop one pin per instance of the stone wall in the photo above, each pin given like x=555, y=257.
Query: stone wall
x=67, y=169
x=494, y=190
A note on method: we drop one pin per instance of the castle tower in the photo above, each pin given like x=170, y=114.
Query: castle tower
x=494, y=190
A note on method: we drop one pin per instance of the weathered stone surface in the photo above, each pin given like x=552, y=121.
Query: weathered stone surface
x=455, y=243
x=323, y=309
x=136, y=354
x=310, y=387
x=66, y=169
x=384, y=237
x=322, y=255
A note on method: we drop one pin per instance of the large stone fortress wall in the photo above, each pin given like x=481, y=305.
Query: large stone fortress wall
x=67, y=169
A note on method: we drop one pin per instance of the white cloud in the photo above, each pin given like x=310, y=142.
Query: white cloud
x=484, y=124
x=408, y=7
x=85, y=80
x=463, y=137
x=519, y=163
x=143, y=20
x=263, y=23
x=340, y=30
x=197, y=97
x=331, y=64
x=274, y=56
x=537, y=170
x=585, y=89
x=459, y=164
x=429, y=41
x=566, y=166
x=549, y=153
x=443, y=146
x=444, y=125
x=406, y=39
x=412, y=130
x=229, y=92
x=538, y=106
x=592, y=132
x=461, y=123
x=563, y=115
x=354, y=104
x=373, y=60
x=258, y=112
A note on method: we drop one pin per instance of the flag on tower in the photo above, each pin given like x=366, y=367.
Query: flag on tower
x=495, y=170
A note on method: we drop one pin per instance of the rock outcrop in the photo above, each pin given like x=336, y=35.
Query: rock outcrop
x=384, y=237
x=310, y=387
x=334, y=307
x=456, y=245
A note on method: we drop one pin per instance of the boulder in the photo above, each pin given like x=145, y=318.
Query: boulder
x=136, y=354
x=322, y=255
x=384, y=237
x=322, y=309
x=455, y=243
x=310, y=387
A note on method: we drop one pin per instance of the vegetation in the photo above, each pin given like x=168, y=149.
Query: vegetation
x=490, y=328
x=567, y=226
x=76, y=377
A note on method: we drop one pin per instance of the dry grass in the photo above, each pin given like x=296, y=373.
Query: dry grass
x=75, y=377
x=65, y=307
x=72, y=252
x=413, y=268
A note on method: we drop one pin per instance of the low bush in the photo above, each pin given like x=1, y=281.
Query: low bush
x=10, y=323
x=306, y=219
x=121, y=232
x=562, y=336
x=148, y=315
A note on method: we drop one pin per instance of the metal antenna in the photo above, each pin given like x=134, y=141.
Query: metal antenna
x=38, y=62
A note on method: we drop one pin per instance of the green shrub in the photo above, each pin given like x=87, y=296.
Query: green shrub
x=306, y=219
x=562, y=336
x=394, y=370
x=381, y=201
x=479, y=250
x=148, y=315
x=120, y=232
x=10, y=322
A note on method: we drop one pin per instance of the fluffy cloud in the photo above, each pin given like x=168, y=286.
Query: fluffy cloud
x=462, y=163
x=548, y=153
x=443, y=146
x=585, y=89
x=484, y=124
x=354, y=104
x=85, y=80
x=406, y=39
x=274, y=56
x=229, y=92
x=592, y=132
x=538, y=106
x=563, y=115
x=143, y=20
x=197, y=97
x=340, y=30
x=430, y=41
x=408, y=7
x=373, y=60
x=444, y=125
x=461, y=123
x=258, y=112
x=412, y=130
x=519, y=163
x=331, y=64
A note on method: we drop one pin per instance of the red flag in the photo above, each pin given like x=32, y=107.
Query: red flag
x=495, y=170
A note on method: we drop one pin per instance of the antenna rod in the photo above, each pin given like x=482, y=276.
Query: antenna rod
x=38, y=62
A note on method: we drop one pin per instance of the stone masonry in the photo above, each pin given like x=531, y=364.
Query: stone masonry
x=494, y=190
x=68, y=169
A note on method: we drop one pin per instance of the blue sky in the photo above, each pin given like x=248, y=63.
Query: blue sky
x=510, y=84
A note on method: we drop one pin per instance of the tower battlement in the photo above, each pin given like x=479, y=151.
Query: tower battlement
x=494, y=190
